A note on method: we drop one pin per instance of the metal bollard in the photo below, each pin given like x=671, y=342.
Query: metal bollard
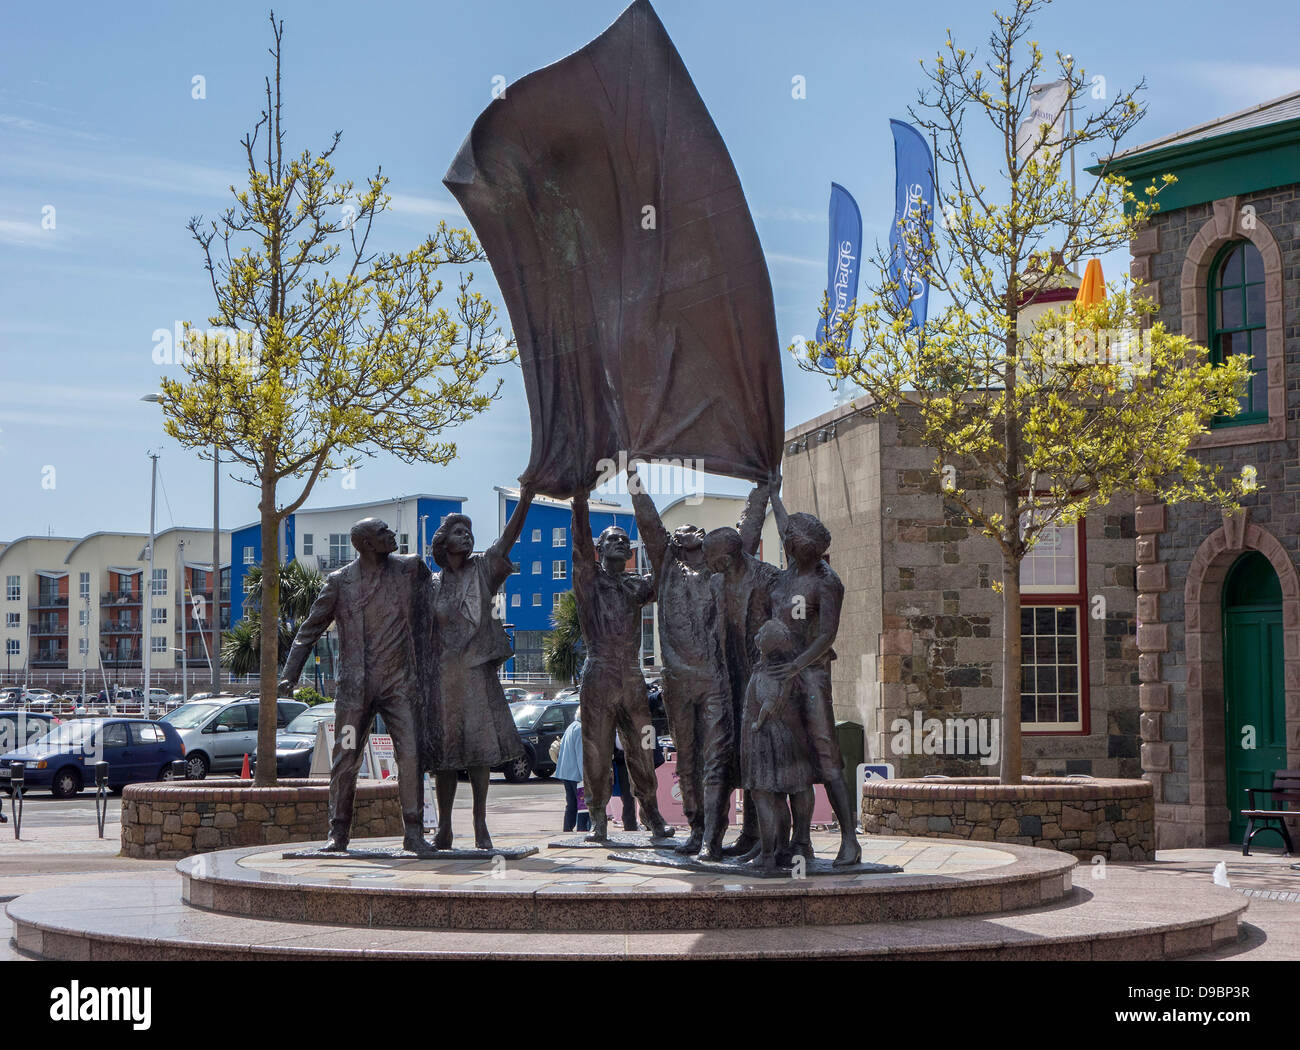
x=101, y=794
x=17, y=777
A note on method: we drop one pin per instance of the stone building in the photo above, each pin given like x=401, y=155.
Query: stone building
x=920, y=640
x=1219, y=597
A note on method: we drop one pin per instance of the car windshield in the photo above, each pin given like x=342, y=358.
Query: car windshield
x=306, y=722
x=526, y=714
x=70, y=733
x=188, y=716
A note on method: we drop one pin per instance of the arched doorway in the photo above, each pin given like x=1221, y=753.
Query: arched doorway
x=1253, y=681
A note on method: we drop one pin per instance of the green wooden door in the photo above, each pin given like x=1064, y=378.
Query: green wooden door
x=1252, y=682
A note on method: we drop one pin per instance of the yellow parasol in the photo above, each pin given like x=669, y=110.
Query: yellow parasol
x=1093, y=289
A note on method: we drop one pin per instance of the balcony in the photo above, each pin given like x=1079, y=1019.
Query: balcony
x=49, y=626
x=120, y=627
x=50, y=658
x=50, y=601
x=121, y=598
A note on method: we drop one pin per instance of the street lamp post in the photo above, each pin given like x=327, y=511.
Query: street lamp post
x=214, y=655
x=148, y=594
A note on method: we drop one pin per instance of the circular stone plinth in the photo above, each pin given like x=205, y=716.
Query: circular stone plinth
x=583, y=889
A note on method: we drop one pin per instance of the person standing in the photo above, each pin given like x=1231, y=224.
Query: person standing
x=806, y=598
x=690, y=642
x=612, y=695
x=377, y=602
x=474, y=729
x=568, y=768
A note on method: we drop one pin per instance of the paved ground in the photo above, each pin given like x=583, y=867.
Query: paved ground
x=60, y=845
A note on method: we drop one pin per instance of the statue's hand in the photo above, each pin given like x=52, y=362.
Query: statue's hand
x=783, y=671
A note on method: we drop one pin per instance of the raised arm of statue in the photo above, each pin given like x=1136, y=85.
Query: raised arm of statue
x=648, y=523
x=584, y=547
x=752, y=517
x=515, y=525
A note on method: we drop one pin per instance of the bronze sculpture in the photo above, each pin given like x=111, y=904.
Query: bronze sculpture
x=774, y=754
x=695, y=676
x=468, y=725
x=742, y=585
x=807, y=596
x=378, y=602
x=612, y=695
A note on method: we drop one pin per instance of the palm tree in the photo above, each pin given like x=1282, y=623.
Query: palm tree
x=300, y=586
x=561, y=648
x=241, y=646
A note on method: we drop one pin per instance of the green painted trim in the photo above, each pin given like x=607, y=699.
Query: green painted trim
x=1211, y=169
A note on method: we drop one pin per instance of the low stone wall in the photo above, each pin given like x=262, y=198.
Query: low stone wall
x=1113, y=818
x=178, y=818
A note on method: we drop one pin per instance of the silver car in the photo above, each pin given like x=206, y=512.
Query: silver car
x=220, y=731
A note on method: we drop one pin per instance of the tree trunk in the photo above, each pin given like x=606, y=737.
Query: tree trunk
x=1010, y=768
x=268, y=668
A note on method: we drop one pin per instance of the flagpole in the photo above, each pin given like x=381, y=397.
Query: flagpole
x=1073, y=191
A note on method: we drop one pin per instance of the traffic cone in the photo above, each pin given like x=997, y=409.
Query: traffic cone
x=244, y=774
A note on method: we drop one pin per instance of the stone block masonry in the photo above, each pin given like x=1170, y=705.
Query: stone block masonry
x=178, y=819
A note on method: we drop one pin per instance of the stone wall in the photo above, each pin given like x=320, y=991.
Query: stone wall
x=921, y=629
x=1186, y=550
x=180, y=818
x=1110, y=818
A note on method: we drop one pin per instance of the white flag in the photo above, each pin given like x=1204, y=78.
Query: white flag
x=1047, y=104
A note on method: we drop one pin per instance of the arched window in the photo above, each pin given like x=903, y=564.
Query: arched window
x=1236, y=323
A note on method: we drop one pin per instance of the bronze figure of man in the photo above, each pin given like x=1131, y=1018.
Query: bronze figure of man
x=376, y=602
x=695, y=675
x=742, y=586
x=612, y=695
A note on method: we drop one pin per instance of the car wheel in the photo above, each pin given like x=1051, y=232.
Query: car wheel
x=197, y=765
x=517, y=772
x=66, y=783
x=166, y=773
x=544, y=774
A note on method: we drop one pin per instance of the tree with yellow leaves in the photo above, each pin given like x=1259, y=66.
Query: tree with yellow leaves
x=326, y=349
x=1034, y=421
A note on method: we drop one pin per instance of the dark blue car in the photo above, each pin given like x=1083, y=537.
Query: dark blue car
x=64, y=760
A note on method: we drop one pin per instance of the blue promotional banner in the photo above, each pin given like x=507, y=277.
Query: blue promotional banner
x=844, y=254
x=913, y=207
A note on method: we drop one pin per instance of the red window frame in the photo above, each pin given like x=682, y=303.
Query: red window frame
x=1079, y=599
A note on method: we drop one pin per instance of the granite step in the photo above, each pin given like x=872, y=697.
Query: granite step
x=1128, y=915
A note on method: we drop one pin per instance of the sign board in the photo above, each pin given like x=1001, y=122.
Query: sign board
x=377, y=763
x=669, y=794
x=870, y=771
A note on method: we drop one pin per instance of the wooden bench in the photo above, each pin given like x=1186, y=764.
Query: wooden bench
x=1285, y=792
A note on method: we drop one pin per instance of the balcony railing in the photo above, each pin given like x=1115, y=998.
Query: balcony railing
x=50, y=601
x=121, y=598
x=120, y=627
x=49, y=627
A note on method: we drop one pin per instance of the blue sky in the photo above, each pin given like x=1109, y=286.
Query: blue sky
x=97, y=120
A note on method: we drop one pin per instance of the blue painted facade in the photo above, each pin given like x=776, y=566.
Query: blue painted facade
x=545, y=559
x=249, y=537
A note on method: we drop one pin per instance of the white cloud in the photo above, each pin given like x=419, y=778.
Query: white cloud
x=1243, y=84
x=25, y=234
x=794, y=260
x=405, y=203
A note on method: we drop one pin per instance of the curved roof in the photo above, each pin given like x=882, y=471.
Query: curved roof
x=94, y=535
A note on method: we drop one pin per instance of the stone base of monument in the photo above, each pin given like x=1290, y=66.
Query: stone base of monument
x=953, y=899
x=817, y=867
x=398, y=853
x=618, y=840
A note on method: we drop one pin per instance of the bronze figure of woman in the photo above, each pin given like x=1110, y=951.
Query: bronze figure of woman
x=473, y=727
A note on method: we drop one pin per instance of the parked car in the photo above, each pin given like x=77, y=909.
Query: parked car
x=514, y=694
x=220, y=731
x=64, y=759
x=20, y=728
x=539, y=723
x=295, y=744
